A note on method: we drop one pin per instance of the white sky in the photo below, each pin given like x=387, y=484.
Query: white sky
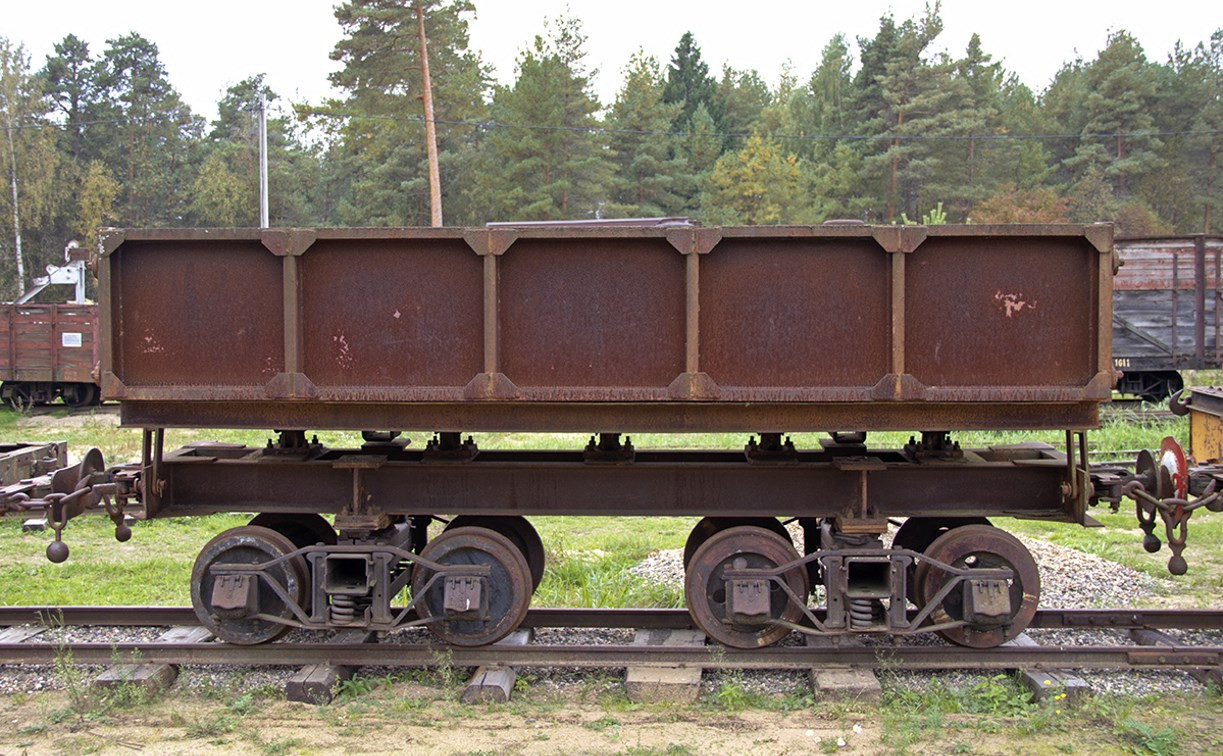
x=207, y=46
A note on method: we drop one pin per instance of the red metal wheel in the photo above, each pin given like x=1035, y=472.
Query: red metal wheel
x=506, y=592
x=917, y=533
x=705, y=589
x=518, y=530
x=710, y=526
x=981, y=546
x=248, y=545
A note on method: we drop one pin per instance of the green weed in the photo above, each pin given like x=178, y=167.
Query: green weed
x=603, y=723
x=211, y=727
x=1140, y=737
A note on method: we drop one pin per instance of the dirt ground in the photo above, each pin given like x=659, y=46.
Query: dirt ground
x=281, y=727
x=400, y=719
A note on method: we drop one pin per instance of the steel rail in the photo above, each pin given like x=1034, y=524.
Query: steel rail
x=1045, y=619
x=790, y=657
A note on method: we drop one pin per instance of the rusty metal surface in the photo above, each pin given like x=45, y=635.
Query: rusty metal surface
x=21, y=461
x=193, y=409
x=1035, y=329
x=563, y=483
x=713, y=656
x=794, y=313
x=1045, y=619
x=668, y=328
x=186, y=314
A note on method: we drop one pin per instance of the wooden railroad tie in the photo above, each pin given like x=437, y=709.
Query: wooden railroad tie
x=665, y=683
x=152, y=677
x=1048, y=682
x=842, y=682
x=495, y=682
x=316, y=683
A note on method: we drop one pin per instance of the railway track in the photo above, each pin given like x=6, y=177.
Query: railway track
x=392, y=653
x=1130, y=410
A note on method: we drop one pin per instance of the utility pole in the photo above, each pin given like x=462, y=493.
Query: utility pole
x=263, y=160
x=435, y=181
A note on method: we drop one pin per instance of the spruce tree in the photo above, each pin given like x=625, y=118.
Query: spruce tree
x=689, y=84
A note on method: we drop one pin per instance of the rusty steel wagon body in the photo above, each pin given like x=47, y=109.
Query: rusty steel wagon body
x=610, y=330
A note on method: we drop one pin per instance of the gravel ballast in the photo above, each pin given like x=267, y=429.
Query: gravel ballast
x=1070, y=579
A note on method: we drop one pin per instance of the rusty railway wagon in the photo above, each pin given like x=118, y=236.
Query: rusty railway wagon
x=844, y=329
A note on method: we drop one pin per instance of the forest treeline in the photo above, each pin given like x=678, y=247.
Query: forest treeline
x=896, y=132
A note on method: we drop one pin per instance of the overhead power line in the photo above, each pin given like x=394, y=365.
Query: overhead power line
x=654, y=132
x=302, y=112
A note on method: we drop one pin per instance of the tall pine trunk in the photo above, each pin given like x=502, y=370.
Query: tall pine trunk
x=19, y=258
x=435, y=181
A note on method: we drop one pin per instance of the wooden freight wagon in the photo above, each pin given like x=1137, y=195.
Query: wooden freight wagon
x=1166, y=311
x=48, y=351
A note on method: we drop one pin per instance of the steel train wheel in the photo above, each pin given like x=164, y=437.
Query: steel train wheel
x=519, y=531
x=708, y=527
x=77, y=395
x=249, y=544
x=302, y=529
x=20, y=398
x=981, y=546
x=507, y=592
x=745, y=546
x=917, y=533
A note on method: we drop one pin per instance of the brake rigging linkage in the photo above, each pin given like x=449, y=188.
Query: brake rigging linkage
x=1162, y=486
x=71, y=491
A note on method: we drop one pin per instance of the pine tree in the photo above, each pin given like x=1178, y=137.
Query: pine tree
x=1018, y=164
x=915, y=97
x=378, y=162
x=149, y=138
x=742, y=97
x=962, y=176
x=820, y=109
x=70, y=81
x=1120, y=95
x=547, y=162
x=699, y=150
x=1185, y=190
x=647, y=175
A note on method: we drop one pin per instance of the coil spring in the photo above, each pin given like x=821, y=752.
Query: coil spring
x=861, y=613
x=343, y=609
